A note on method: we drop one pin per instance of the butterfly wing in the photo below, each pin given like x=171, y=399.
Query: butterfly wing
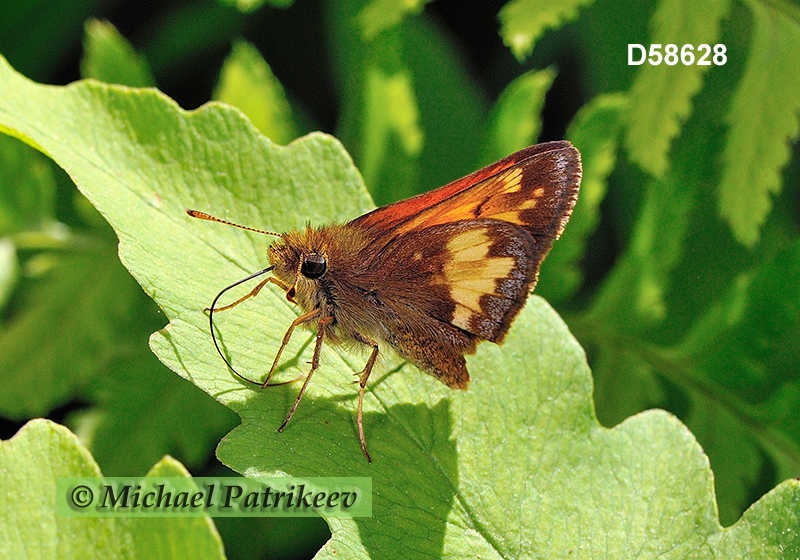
x=473, y=274
x=473, y=236
x=535, y=189
x=462, y=259
x=454, y=266
x=451, y=286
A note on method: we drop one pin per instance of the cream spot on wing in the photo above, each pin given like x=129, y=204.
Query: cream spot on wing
x=538, y=193
x=469, y=273
x=499, y=267
x=471, y=245
x=479, y=285
x=495, y=267
x=461, y=317
x=468, y=298
x=528, y=204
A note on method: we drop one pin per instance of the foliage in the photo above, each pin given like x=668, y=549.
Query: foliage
x=30, y=464
x=677, y=272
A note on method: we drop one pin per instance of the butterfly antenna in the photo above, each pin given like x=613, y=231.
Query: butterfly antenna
x=210, y=218
x=211, y=321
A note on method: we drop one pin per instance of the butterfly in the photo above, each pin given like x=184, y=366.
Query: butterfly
x=429, y=277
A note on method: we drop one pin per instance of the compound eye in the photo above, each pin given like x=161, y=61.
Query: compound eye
x=314, y=266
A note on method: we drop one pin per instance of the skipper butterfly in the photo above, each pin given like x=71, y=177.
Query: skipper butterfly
x=430, y=276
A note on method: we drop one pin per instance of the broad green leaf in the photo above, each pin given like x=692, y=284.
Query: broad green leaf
x=391, y=121
x=110, y=58
x=27, y=208
x=522, y=439
x=381, y=117
x=65, y=333
x=516, y=466
x=27, y=189
x=757, y=383
x=142, y=412
x=595, y=132
x=661, y=96
x=247, y=82
x=379, y=15
x=431, y=79
x=30, y=463
x=515, y=120
x=524, y=21
x=763, y=120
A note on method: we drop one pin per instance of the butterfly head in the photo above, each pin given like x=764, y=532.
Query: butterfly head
x=301, y=261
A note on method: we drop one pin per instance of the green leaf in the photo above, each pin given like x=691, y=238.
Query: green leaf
x=29, y=465
x=66, y=333
x=27, y=209
x=743, y=350
x=524, y=21
x=27, y=188
x=247, y=82
x=763, y=121
x=595, y=132
x=143, y=411
x=515, y=120
x=751, y=537
x=516, y=466
x=661, y=96
x=110, y=58
x=381, y=117
x=380, y=15
x=451, y=108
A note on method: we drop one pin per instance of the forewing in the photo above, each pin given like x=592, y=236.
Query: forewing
x=535, y=189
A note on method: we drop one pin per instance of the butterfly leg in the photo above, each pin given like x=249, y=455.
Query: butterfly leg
x=314, y=360
x=362, y=382
x=253, y=292
x=299, y=321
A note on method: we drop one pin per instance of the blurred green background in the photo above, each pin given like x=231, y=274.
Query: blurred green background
x=682, y=286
